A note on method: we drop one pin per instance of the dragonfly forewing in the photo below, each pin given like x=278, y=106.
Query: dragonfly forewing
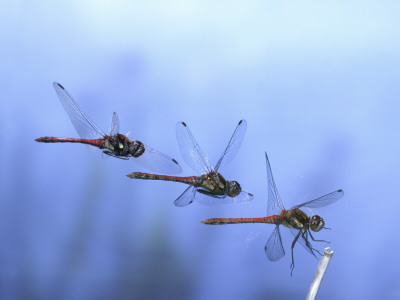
x=158, y=162
x=209, y=199
x=114, y=124
x=243, y=197
x=323, y=201
x=274, y=205
x=191, y=151
x=85, y=127
x=234, y=144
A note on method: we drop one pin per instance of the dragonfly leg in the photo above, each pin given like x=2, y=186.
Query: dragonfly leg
x=317, y=240
x=308, y=244
x=110, y=153
x=208, y=193
x=294, y=243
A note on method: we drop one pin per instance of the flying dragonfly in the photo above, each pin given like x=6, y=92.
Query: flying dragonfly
x=114, y=144
x=295, y=219
x=211, y=187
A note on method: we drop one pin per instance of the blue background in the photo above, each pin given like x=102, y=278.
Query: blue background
x=318, y=84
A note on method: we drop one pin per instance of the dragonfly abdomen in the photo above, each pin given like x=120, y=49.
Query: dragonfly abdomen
x=223, y=221
x=50, y=139
x=192, y=180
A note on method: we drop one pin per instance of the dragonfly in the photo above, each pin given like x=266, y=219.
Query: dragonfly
x=295, y=219
x=211, y=187
x=114, y=144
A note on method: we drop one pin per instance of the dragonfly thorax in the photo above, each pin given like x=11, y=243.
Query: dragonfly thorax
x=294, y=218
x=121, y=145
x=316, y=223
x=213, y=182
x=216, y=184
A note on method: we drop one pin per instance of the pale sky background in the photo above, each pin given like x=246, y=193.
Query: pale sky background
x=318, y=84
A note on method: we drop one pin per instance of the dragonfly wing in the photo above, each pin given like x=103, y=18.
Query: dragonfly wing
x=186, y=197
x=324, y=200
x=114, y=124
x=83, y=125
x=273, y=247
x=205, y=197
x=275, y=205
x=156, y=161
x=243, y=197
x=234, y=144
x=191, y=151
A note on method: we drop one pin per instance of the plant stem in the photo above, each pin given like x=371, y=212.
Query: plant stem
x=319, y=274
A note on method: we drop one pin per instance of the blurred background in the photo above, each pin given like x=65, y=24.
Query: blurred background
x=318, y=84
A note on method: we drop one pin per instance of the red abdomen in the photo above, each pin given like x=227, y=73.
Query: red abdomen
x=50, y=139
x=192, y=180
x=222, y=221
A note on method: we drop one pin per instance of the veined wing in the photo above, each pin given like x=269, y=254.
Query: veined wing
x=273, y=247
x=243, y=197
x=234, y=144
x=156, y=161
x=275, y=205
x=191, y=151
x=186, y=197
x=322, y=201
x=83, y=125
x=114, y=124
x=210, y=199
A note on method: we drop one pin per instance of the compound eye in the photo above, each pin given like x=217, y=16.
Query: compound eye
x=234, y=188
x=316, y=223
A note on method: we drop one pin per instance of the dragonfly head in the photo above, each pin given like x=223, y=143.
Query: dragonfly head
x=316, y=223
x=233, y=188
x=136, y=148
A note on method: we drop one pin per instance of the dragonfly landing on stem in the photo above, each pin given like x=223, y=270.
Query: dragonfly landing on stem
x=295, y=219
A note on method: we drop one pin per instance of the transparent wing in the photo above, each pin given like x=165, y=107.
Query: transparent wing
x=210, y=199
x=191, y=151
x=234, y=144
x=322, y=201
x=186, y=197
x=243, y=197
x=275, y=205
x=156, y=161
x=114, y=124
x=83, y=125
x=273, y=247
